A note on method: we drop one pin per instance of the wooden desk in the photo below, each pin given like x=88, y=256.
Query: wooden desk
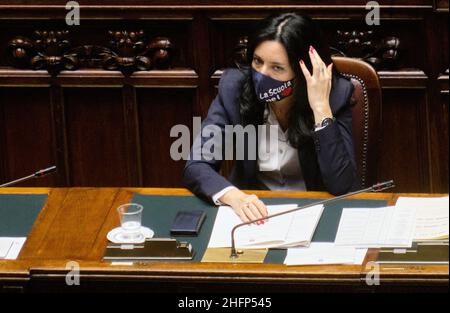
x=73, y=226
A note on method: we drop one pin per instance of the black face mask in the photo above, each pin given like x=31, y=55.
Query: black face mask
x=269, y=90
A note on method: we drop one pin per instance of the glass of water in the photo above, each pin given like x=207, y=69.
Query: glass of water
x=130, y=215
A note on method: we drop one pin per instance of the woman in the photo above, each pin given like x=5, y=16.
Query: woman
x=290, y=84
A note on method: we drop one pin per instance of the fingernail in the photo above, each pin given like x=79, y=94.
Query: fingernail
x=311, y=49
x=301, y=61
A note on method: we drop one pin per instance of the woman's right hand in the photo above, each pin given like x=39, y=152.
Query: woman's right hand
x=318, y=85
x=247, y=207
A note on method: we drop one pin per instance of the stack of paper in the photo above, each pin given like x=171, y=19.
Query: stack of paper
x=289, y=230
x=10, y=247
x=432, y=216
x=377, y=227
x=321, y=253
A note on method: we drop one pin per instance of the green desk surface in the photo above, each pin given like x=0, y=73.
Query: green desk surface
x=18, y=213
x=159, y=212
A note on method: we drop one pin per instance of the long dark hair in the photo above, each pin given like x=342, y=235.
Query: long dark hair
x=296, y=33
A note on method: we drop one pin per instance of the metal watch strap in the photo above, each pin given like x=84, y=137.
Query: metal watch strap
x=325, y=122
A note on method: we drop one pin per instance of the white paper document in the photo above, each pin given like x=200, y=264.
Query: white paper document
x=10, y=247
x=292, y=229
x=376, y=227
x=5, y=245
x=321, y=253
x=431, y=218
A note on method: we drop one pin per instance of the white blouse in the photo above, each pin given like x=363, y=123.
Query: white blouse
x=280, y=168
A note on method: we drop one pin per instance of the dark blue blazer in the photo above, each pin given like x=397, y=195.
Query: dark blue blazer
x=327, y=164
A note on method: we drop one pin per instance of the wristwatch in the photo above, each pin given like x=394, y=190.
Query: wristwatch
x=325, y=122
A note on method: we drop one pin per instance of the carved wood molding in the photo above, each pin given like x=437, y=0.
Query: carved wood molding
x=188, y=9
x=441, y=6
x=443, y=83
x=381, y=54
x=128, y=51
x=240, y=52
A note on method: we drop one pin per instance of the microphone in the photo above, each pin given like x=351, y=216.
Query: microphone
x=375, y=188
x=38, y=174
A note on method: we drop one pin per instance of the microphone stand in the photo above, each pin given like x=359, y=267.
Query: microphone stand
x=375, y=188
x=38, y=174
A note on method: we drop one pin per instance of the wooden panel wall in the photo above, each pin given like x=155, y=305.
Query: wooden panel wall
x=103, y=129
